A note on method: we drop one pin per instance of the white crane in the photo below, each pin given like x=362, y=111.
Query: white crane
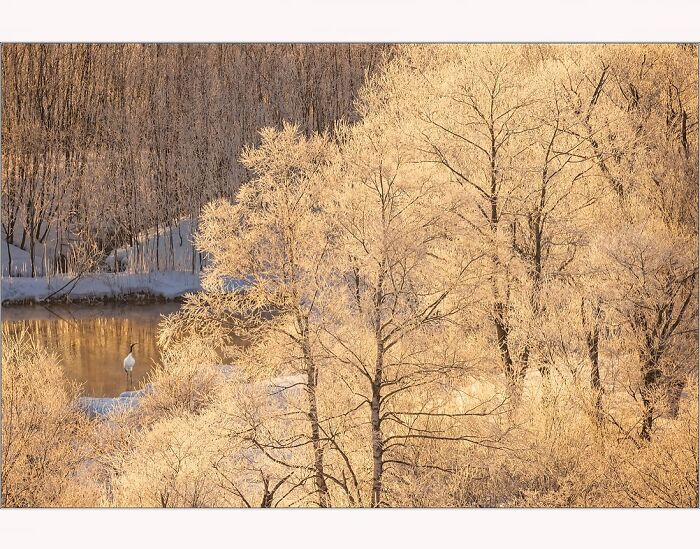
x=129, y=362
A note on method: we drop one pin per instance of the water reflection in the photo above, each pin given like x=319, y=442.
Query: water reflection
x=93, y=339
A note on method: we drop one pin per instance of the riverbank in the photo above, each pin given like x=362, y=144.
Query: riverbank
x=99, y=407
x=117, y=287
x=278, y=389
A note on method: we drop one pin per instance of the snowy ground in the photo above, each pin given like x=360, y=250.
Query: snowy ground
x=168, y=249
x=166, y=285
x=158, y=267
x=21, y=264
x=279, y=389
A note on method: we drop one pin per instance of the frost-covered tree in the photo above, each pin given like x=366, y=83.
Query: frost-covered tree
x=407, y=280
x=275, y=239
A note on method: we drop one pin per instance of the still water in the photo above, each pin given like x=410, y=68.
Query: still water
x=93, y=339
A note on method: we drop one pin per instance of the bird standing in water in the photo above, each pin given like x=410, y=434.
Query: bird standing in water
x=129, y=362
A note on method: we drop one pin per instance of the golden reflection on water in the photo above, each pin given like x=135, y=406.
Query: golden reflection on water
x=93, y=339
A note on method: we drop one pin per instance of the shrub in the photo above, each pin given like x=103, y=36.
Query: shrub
x=43, y=432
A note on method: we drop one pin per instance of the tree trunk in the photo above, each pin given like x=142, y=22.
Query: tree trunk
x=596, y=385
x=311, y=384
x=157, y=247
x=377, y=439
x=673, y=394
x=514, y=376
x=172, y=248
x=591, y=327
x=375, y=404
x=9, y=258
x=323, y=498
x=650, y=379
x=31, y=253
x=377, y=449
x=593, y=339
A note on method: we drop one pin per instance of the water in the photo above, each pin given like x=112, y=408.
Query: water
x=93, y=339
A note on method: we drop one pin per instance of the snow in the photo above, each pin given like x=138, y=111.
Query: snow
x=99, y=407
x=144, y=258
x=103, y=406
x=140, y=273
x=21, y=263
x=166, y=285
x=277, y=389
x=139, y=258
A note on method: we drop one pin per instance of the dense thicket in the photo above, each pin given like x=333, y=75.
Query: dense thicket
x=102, y=142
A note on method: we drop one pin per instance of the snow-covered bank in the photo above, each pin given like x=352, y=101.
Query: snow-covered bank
x=168, y=248
x=278, y=389
x=103, y=406
x=164, y=285
x=161, y=264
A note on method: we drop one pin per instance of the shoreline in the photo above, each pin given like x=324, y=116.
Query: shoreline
x=128, y=298
x=154, y=287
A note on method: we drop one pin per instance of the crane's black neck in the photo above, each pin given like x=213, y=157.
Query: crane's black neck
x=131, y=348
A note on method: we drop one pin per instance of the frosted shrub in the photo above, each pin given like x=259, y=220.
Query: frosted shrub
x=169, y=466
x=43, y=433
x=187, y=381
